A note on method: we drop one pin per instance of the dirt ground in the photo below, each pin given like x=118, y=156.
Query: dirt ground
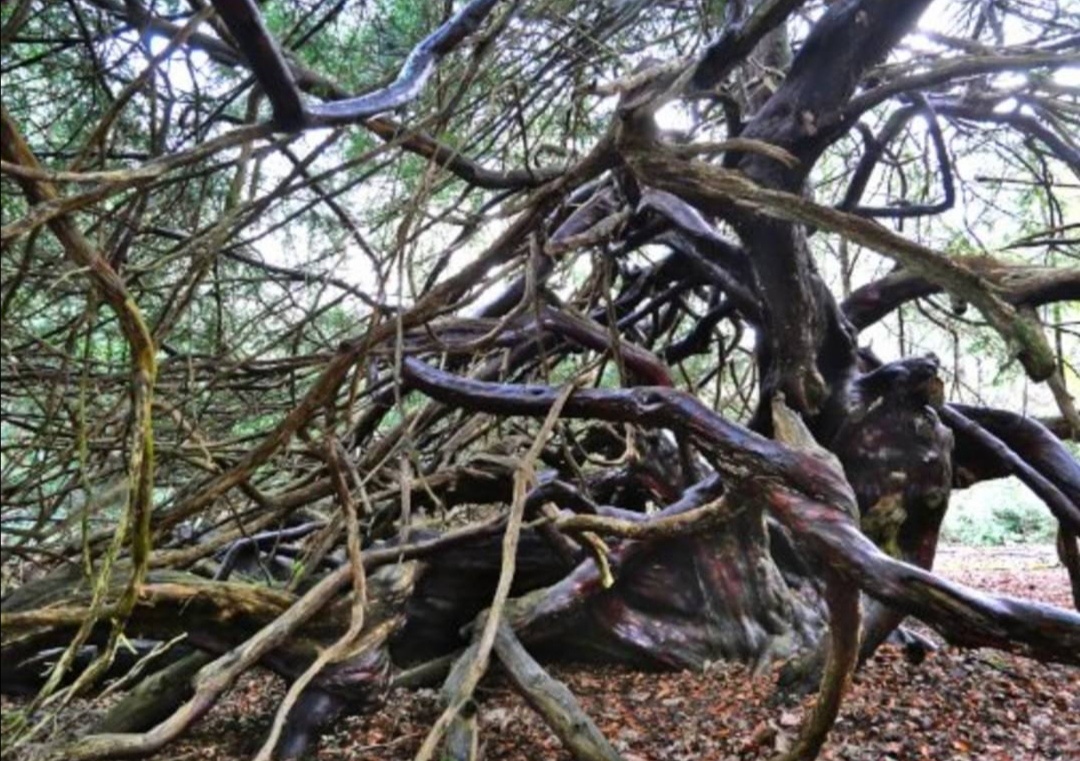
x=958, y=705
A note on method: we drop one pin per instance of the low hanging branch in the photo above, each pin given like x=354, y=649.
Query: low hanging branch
x=801, y=490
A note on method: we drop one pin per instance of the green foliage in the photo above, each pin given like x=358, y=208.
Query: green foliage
x=998, y=513
x=361, y=49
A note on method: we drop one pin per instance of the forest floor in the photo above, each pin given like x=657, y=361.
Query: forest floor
x=958, y=705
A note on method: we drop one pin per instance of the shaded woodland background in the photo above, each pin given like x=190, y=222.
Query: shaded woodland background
x=377, y=342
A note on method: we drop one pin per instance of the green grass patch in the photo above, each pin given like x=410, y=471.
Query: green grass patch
x=996, y=513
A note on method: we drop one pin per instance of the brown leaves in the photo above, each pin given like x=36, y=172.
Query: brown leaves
x=958, y=705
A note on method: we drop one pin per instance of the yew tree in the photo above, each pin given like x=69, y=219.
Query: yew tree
x=376, y=343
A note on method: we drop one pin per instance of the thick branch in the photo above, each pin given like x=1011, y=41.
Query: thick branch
x=268, y=64
x=962, y=615
x=788, y=481
x=740, y=455
x=711, y=187
x=552, y=700
x=1017, y=285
